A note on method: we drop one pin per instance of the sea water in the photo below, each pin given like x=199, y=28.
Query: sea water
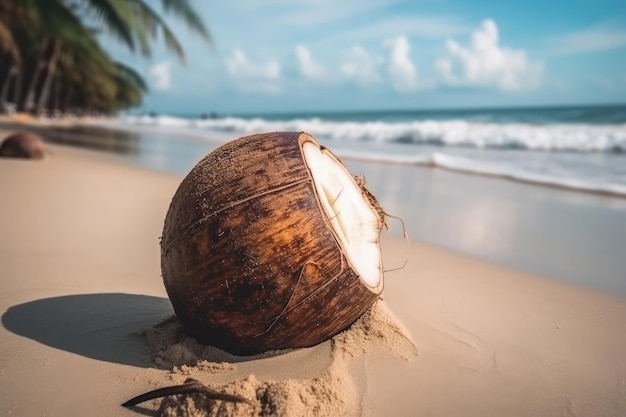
x=582, y=148
x=515, y=217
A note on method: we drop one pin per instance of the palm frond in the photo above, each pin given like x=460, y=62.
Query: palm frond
x=115, y=15
x=151, y=18
x=183, y=9
x=8, y=43
x=132, y=76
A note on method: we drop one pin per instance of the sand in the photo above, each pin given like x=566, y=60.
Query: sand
x=83, y=305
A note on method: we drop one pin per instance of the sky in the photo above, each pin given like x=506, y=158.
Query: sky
x=330, y=55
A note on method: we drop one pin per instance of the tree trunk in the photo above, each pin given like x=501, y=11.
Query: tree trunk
x=5, y=80
x=17, y=86
x=29, y=100
x=44, y=95
x=55, y=101
x=4, y=94
x=69, y=90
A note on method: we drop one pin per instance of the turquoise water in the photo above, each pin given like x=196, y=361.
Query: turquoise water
x=582, y=148
x=507, y=211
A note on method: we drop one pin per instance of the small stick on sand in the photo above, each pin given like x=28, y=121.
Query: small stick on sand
x=191, y=386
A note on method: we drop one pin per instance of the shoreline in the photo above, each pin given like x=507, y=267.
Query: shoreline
x=81, y=274
x=68, y=130
x=566, y=235
x=73, y=131
x=501, y=176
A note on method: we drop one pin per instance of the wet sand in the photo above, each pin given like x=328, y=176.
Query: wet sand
x=568, y=235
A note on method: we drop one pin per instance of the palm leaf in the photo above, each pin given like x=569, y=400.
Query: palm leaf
x=132, y=76
x=151, y=19
x=186, y=12
x=115, y=15
x=8, y=43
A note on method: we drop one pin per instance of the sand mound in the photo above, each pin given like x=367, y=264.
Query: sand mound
x=332, y=393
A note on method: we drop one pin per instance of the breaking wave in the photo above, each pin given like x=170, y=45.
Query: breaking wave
x=579, y=156
x=447, y=133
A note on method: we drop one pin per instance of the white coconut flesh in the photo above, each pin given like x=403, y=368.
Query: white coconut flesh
x=350, y=213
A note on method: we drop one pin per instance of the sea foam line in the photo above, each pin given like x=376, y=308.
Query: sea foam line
x=468, y=166
x=455, y=133
x=580, y=138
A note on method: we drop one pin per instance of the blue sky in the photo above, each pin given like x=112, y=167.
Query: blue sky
x=328, y=55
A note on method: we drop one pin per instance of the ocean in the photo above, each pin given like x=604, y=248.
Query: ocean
x=582, y=148
x=541, y=190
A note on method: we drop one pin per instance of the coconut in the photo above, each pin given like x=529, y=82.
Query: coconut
x=23, y=145
x=270, y=243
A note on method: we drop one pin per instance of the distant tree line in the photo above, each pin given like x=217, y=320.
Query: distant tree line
x=51, y=60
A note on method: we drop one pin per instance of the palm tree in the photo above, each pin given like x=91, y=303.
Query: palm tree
x=131, y=86
x=136, y=23
x=58, y=29
x=9, y=47
x=92, y=81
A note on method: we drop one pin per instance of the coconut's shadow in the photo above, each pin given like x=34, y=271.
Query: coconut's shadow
x=103, y=326
x=97, y=326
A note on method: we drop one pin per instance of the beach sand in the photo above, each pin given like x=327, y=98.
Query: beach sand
x=81, y=293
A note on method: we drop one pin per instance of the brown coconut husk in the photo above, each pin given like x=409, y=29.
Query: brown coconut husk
x=23, y=145
x=249, y=259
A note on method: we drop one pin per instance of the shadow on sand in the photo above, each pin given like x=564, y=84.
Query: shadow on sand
x=97, y=326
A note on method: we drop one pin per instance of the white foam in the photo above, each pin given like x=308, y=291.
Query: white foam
x=370, y=141
x=551, y=137
x=490, y=168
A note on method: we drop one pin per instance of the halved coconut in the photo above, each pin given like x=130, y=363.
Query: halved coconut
x=270, y=243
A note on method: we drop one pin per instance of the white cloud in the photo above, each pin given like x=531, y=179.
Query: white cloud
x=360, y=66
x=485, y=63
x=308, y=67
x=160, y=74
x=601, y=37
x=258, y=77
x=401, y=69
